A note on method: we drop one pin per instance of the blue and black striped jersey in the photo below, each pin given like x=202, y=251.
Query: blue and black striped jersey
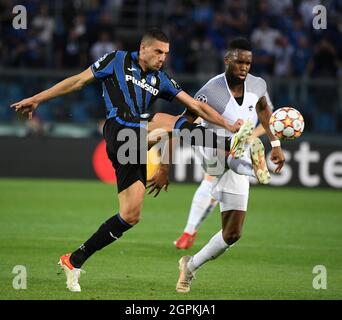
x=128, y=91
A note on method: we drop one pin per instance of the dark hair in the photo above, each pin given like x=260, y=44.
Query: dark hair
x=155, y=34
x=240, y=43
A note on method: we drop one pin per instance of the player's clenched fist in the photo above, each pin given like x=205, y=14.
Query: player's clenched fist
x=236, y=126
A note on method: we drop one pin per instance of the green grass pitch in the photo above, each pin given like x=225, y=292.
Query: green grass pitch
x=287, y=232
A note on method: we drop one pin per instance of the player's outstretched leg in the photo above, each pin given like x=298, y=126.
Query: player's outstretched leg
x=239, y=140
x=72, y=274
x=188, y=264
x=257, y=151
x=109, y=231
x=253, y=163
x=185, y=275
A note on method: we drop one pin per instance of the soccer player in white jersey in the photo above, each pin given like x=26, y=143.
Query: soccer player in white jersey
x=235, y=94
x=203, y=203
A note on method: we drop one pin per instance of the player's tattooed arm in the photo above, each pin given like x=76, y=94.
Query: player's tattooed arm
x=68, y=85
x=264, y=114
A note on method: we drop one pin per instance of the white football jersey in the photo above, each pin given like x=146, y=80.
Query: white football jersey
x=217, y=94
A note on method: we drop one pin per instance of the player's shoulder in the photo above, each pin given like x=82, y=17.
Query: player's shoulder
x=114, y=53
x=254, y=79
x=209, y=91
x=163, y=74
x=218, y=80
x=104, y=64
x=255, y=84
x=167, y=80
x=121, y=54
x=109, y=56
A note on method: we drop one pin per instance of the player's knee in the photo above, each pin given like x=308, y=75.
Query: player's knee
x=131, y=214
x=231, y=237
x=133, y=220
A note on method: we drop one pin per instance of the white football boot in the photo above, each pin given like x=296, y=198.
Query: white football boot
x=72, y=274
x=185, y=275
x=257, y=151
x=239, y=141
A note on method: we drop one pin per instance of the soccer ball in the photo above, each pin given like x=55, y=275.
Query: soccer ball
x=286, y=123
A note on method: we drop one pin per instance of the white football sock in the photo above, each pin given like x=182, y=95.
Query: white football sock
x=214, y=248
x=241, y=166
x=202, y=205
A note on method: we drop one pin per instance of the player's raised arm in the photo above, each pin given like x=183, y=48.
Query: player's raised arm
x=264, y=115
x=206, y=112
x=68, y=85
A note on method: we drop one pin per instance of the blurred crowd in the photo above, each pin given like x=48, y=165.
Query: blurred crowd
x=74, y=33
x=284, y=40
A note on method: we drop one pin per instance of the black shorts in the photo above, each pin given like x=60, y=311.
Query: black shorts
x=129, y=166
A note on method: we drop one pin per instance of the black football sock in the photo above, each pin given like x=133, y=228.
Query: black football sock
x=108, y=232
x=200, y=136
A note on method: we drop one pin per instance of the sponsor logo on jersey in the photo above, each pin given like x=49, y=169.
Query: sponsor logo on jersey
x=175, y=84
x=250, y=108
x=153, y=81
x=97, y=63
x=142, y=84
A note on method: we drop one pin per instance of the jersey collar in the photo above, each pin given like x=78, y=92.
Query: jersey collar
x=135, y=58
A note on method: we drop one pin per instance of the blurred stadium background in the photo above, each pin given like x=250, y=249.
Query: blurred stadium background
x=303, y=68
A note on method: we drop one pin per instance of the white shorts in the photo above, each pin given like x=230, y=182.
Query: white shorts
x=228, y=187
x=230, y=201
x=232, y=191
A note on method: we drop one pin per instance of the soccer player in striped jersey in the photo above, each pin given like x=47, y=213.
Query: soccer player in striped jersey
x=131, y=82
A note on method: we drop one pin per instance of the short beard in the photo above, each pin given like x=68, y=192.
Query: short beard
x=233, y=79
